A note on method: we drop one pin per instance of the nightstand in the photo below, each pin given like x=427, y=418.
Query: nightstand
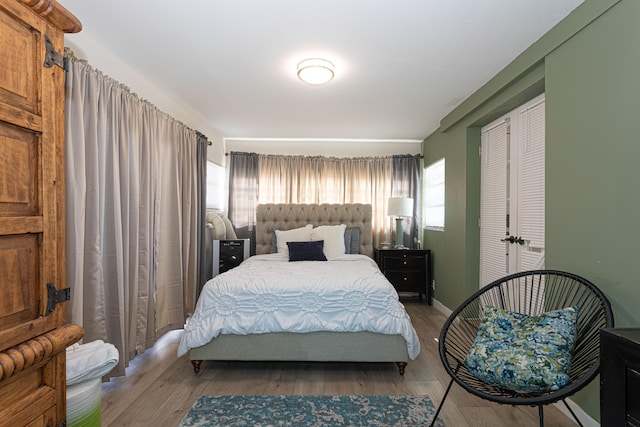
x=619, y=376
x=228, y=254
x=408, y=270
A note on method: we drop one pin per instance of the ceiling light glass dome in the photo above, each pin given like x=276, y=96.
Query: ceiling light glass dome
x=315, y=71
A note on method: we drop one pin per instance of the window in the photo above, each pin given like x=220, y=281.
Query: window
x=215, y=186
x=434, y=196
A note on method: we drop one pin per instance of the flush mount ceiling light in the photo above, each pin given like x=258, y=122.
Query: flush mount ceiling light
x=315, y=71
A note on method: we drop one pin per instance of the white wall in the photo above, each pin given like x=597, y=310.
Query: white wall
x=171, y=103
x=85, y=48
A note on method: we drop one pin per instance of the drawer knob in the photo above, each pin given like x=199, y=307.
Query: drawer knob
x=404, y=262
x=404, y=278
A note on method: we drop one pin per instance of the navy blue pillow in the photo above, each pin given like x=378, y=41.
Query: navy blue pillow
x=306, y=251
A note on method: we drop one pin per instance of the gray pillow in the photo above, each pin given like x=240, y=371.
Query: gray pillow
x=352, y=240
x=274, y=242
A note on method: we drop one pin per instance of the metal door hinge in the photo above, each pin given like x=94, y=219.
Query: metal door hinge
x=55, y=297
x=52, y=57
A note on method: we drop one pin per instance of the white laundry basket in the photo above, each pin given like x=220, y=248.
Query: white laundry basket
x=86, y=365
x=84, y=403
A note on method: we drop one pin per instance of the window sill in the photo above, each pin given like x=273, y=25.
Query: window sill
x=434, y=228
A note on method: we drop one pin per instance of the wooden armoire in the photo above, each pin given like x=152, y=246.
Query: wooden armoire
x=33, y=329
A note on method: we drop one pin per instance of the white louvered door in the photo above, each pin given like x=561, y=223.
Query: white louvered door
x=512, y=193
x=494, y=201
x=530, y=189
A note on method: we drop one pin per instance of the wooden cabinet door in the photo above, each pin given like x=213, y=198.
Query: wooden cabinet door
x=32, y=214
x=31, y=180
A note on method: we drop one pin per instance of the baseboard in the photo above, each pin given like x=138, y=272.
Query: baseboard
x=441, y=308
x=584, y=418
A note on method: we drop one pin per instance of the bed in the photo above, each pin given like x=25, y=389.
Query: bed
x=258, y=312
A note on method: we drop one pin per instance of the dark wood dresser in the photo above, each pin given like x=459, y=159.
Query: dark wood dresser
x=33, y=329
x=620, y=377
x=408, y=270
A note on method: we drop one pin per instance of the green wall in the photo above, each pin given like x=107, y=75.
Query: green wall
x=589, y=68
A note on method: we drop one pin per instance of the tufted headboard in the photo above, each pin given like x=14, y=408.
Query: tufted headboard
x=271, y=217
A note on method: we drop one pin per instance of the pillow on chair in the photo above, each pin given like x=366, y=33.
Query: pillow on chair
x=220, y=226
x=530, y=354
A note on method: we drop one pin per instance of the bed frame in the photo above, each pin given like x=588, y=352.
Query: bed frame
x=313, y=346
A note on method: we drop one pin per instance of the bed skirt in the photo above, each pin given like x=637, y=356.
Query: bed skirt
x=306, y=347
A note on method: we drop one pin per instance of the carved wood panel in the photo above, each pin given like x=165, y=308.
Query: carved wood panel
x=32, y=214
x=20, y=282
x=18, y=82
x=19, y=178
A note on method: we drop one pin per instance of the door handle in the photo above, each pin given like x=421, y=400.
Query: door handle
x=513, y=239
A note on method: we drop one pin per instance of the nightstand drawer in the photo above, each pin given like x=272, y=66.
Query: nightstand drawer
x=404, y=261
x=414, y=279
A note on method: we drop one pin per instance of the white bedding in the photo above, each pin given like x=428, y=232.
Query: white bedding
x=267, y=293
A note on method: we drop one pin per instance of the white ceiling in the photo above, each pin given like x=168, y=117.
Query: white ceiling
x=401, y=65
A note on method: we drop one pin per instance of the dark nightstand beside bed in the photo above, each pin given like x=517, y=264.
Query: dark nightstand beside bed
x=408, y=270
x=620, y=376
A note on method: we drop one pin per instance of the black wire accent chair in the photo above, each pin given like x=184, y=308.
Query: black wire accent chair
x=531, y=293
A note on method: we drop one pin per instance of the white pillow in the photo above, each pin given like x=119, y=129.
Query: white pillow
x=302, y=234
x=333, y=236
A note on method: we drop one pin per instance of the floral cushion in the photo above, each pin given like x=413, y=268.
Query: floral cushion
x=524, y=353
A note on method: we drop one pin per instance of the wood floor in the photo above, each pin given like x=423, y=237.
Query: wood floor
x=159, y=388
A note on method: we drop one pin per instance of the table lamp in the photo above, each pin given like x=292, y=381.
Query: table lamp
x=400, y=207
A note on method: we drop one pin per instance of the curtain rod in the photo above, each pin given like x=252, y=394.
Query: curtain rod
x=419, y=155
x=200, y=134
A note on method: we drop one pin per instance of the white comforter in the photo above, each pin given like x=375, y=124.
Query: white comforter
x=266, y=293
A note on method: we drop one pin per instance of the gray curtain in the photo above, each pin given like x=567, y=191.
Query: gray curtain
x=266, y=178
x=243, y=195
x=132, y=214
x=201, y=232
x=407, y=182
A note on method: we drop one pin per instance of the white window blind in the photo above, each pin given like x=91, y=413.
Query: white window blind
x=216, y=181
x=434, y=181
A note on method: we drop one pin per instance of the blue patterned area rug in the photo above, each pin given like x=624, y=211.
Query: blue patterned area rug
x=298, y=411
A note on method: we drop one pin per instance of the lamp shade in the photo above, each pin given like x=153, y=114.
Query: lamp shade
x=400, y=206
